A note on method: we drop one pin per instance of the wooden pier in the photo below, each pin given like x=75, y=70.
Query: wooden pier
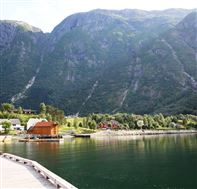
x=17, y=172
x=42, y=140
x=82, y=135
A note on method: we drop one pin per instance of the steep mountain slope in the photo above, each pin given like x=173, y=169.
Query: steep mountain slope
x=169, y=82
x=20, y=58
x=109, y=61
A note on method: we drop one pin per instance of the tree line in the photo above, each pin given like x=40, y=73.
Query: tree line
x=96, y=121
x=132, y=121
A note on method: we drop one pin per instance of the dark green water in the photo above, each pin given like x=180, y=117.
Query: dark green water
x=163, y=162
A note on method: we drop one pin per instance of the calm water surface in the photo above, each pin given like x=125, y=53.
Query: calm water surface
x=163, y=162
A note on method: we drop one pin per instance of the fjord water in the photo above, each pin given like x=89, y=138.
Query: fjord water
x=118, y=162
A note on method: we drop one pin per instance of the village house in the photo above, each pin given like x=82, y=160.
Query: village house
x=15, y=124
x=29, y=111
x=47, y=128
x=113, y=124
x=25, y=111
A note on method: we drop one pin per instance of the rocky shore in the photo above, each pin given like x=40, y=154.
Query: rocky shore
x=140, y=132
x=5, y=138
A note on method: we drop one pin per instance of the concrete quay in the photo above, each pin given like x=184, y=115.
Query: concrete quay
x=17, y=172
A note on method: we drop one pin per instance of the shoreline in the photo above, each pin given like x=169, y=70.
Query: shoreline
x=111, y=133
x=107, y=133
x=5, y=138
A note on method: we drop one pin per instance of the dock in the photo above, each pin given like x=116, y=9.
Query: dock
x=18, y=172
x=42, y=140
x=82, y=135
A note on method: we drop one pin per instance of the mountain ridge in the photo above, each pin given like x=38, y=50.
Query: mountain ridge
x=106, y=61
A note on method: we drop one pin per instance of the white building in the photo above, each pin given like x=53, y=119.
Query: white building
x=15, y=124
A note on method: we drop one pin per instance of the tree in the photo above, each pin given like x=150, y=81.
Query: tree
x=7, y=107
x=48, y=117
x=6, y=126
x=96, y=117
x=131, y=125
x=185, y=121
x=75, y=123
x=140, y=123
x=42, y=108
x=19, y=110
x=85, y=122
x=172, y=125
x=56, y=114
x=150, y=122
x=146, y=121
x=168, y=120
x=92, y=125
x=126, y=126
x=80, y=124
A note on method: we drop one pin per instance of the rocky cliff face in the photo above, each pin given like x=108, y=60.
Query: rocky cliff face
x=187, y=29
x=20, y=46
x=10, y=30
x=105, y=61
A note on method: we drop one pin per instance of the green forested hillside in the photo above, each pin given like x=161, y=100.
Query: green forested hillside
x=107, y=61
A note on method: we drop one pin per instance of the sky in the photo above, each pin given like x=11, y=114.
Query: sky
x=46, y=14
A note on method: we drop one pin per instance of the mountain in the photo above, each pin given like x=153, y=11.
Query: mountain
x=104, y=61
x=19, y=56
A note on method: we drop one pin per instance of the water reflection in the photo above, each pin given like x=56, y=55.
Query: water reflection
x=141, y=143
x=165, y=161
x=148, y=142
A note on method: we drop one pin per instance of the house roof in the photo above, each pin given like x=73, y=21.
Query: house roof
x=33, y=121
x=29, y=110
x=45, y=124
x=13, y=121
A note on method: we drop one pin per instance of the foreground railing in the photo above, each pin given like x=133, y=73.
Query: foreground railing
x=52, y=177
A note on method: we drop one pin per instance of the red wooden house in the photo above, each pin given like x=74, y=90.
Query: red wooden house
x=48, y=128
x=109, y=125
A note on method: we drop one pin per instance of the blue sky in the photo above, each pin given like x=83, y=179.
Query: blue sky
x=46, y=14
